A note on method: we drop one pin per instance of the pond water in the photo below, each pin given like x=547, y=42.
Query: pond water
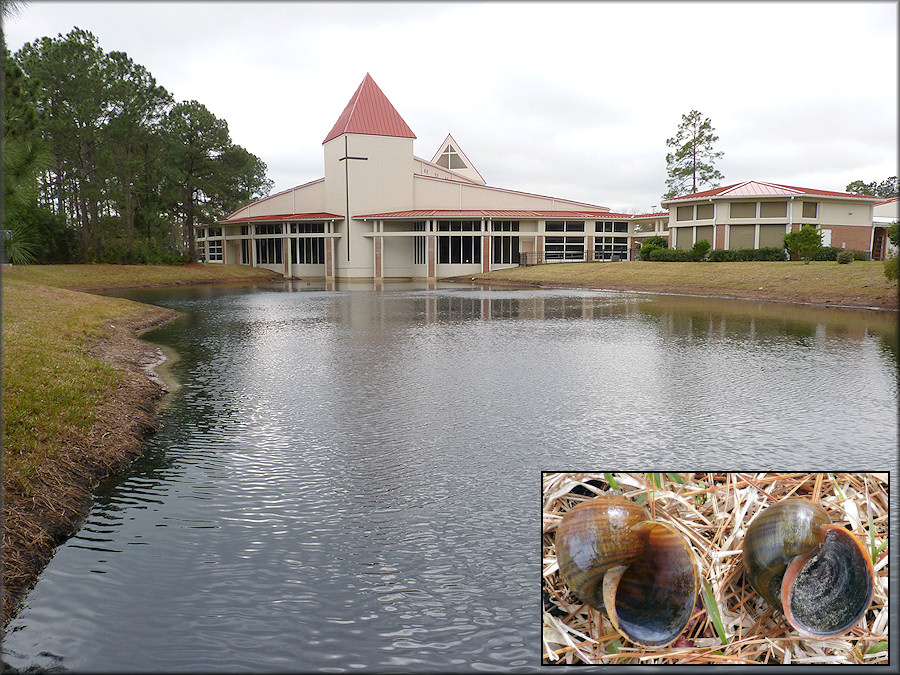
x=350, y=478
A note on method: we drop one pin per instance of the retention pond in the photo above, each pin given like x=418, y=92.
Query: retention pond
x=349, y=478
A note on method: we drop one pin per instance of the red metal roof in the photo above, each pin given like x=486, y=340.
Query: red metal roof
x=283, y=217
x=485, y=213
x=761, y=189
x=369, y=112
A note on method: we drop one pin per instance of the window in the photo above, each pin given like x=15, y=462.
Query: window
x=705, y=211
x=684, y=213
x=505, y=250
x=215, y=250
x=308, y=228
x=564, y=226
x=810, y=209
x=606, y=247
x=743, y=210
x=268, y=251
x=245, y=229
x=245, y=251
x=459, y=226
x=772, y=209
x=308, y=251
x=505, y=226
x=201, y=233
x=610, y=226
x=459, y=250
x=419, y=243
x=268, y=229
x=214, y=232
x=564, y=248
x=450, y=159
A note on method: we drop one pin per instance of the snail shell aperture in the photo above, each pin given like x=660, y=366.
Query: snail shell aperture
x=818, y=574
x=640, y=572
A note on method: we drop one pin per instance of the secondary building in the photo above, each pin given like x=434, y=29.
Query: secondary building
x=885, y=214
x=755, y=214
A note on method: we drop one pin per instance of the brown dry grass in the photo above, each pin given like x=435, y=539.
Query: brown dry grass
x=712, y=511
x=859, y=284
x=100, y=276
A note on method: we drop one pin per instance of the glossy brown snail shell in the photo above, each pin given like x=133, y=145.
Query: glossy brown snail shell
x=819, y=575
x=640, y=572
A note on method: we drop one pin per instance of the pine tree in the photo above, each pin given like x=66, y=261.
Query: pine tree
x=690, y=164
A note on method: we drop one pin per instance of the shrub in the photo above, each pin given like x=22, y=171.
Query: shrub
x=859, y=255
x=804, y=243
x=723, y=255
x=845, y=257
x=768, y=253
x=828, y=253
x=701, y=248
x=890, y=268
x=670, y=255
x=651, y=244
x=765, y=254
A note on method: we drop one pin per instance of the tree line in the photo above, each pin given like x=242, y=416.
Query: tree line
x=101, y=164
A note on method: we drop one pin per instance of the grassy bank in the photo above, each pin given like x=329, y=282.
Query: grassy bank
x=98, y=277
x=859, y=284
x=76, y=399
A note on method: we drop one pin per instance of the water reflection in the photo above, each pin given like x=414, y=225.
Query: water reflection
x=350, y=477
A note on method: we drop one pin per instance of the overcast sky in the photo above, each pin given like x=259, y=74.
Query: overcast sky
x=572, y=100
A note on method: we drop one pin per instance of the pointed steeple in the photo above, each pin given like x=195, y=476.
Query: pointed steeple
x=369, y=112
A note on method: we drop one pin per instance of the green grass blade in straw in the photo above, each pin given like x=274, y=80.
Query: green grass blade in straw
x=713, y=610
x=675, y=478
x=877, y=647
x=611, y=480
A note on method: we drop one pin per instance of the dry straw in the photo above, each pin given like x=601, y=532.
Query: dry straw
x=732, y=624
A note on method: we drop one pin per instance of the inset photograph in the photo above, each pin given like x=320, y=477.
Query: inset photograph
x=714, y=568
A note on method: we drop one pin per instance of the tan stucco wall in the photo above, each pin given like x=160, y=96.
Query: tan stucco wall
x=430, y=193
x=308, y=198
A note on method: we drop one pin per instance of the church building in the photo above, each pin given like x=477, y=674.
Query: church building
x=382, y=212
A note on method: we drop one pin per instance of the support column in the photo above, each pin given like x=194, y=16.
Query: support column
x=329, y=259
x=485, y=253
x=378, y=244
x=589, y=248
x=719, y=236
x=286, y=255
x=431, y=256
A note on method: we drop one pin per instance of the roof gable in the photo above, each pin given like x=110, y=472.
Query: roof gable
x=369, y=112
x=450, y=156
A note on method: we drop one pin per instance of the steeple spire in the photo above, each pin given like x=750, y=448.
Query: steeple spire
x=369, y=112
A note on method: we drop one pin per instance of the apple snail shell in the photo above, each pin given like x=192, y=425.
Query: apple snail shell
x=818, y=574
x=640, y=572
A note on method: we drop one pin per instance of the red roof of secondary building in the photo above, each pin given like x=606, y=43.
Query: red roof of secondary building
x=369, y=112
x=283, y=217
x=752, y=188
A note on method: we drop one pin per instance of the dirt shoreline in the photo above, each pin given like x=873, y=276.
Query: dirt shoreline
x=64, y=491
x=766, y=295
